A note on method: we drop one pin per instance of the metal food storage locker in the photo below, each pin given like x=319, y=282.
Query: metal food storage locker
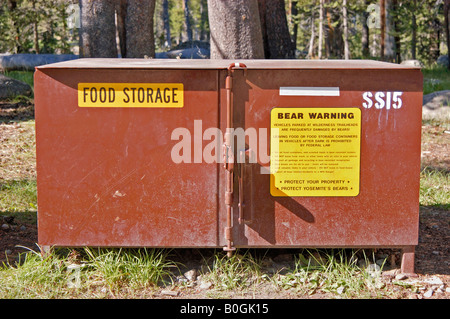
x=220, y=153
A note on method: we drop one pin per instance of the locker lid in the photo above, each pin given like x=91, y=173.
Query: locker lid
x=111, y=63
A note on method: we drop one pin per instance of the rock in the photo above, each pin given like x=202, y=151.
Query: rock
x=436, y=105
x=415, y=63
x=191, y=275
x=434, y=281
x=340, y=290
x=204, y=285
x=5, y=227
x=169, y=293
x=428, y=293
x=401, y=277
x=437, y=99
x=10, y=88
x=443, y=61
x=28, y=62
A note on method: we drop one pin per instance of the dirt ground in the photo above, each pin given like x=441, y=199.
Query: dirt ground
x=432, y=253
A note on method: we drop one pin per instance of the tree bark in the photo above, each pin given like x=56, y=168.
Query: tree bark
x=320, y=29
x=447, y=27
x=344, y=13
x=140, y=40
x=187, y=21
x=275, y=32
x=98, y=29
x=382, y=27
x=313, y=35
x=121, y=10
x=294, y=19
x=414, y=30
x=235, y=29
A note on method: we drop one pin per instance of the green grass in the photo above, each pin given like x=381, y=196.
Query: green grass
x=335, y=272
x=435, y=188
x=86, y=273
x=18, y=196
x=435, y=78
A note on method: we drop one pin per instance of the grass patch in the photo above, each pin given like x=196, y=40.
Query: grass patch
x=238, y=272
x=86, y=273
x=18, y=196
x=434, y=188
x=335, y=272
x=435, y=78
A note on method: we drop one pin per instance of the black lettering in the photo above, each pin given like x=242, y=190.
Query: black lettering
x=158, y=96
x=351, y=115
x=102, y=94
x=174, y=95
x=125, y=90
x=93, y=95
x=141, y=95
x=166, y=95
x=312, y=115
x=134, y=96
x=149, y=95
x=280, y=115
x=112, y=95
x=286, y=116
x=85, y=94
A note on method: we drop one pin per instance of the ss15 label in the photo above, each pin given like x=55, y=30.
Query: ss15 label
x=382, y=100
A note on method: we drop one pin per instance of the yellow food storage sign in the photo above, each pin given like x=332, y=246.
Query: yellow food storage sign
x=315, y=151
x=165, y=95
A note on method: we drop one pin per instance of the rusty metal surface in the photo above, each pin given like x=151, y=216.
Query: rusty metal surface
x=385, y=213
x=106, y=177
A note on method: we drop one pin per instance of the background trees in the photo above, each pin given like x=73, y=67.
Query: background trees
x=391, y=30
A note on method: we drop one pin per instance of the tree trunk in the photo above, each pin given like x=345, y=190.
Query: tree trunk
x=204, y=21
x=294, y=18
x=275, y=31
x=382, y=27
x=414, y=30
x=313, y=35
x=327, y=31
x=139, y=28
x=389, y=43
x=447, y=27
x=187, y=21
x=344, y=13
x=35, y=28
x=166, y=21
x=395, y=23
x=98, y=29
x=320, y=29
x=121, y=9
x=235, y=30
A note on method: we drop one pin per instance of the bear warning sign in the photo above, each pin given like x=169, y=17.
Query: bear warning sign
x=315, y=151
